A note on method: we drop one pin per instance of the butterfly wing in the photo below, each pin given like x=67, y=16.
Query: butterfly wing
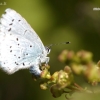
x=16, y=24
x=20, y=46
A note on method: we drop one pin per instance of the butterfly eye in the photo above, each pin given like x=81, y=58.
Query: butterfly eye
x=48, y=50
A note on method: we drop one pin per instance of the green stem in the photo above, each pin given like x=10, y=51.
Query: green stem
x=78, y=88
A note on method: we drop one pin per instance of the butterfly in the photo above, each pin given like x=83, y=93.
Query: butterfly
x=20, y=46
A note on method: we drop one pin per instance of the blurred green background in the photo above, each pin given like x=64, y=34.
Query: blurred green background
x=54, y=21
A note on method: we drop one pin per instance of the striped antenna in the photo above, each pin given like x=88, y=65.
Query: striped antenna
x=58, y=44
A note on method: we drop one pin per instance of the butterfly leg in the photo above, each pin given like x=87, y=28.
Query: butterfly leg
x=45, y=60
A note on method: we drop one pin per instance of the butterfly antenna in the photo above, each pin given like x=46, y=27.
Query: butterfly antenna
x=58, y=44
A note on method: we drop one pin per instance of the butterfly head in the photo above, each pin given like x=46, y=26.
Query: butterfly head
x=48, y=49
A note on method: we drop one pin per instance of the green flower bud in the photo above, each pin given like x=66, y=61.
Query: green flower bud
x=45, y=74
x=43, y=86
x=54, y=77
x=85, y=56
x=63, y=56
x=67, y=69
x=77, y=69
x=92, y=74
x=56, y=90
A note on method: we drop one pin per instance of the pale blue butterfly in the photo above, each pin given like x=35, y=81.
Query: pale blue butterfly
x=20, y=46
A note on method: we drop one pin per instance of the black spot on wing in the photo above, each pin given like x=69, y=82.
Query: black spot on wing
x=10, y=23
x=26, y=53
x=16, y=63
x=25, y=31
x=17, y=39
x=19, y=57
x=23, y=64
x=10, y=46
x=19, y=20
x=30, y=45
x=9, y=29
x=12, y=20
x=10, y=50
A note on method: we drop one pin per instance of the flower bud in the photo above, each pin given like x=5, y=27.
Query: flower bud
x=43, y=86
x=85, y=56
x=63, y=56
x=56, y=90
x=92, y=74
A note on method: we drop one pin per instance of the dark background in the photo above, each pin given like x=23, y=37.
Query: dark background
x=54, y=21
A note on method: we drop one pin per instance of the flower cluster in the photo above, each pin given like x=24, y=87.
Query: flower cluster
x=62, y=81
x=81, y=63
